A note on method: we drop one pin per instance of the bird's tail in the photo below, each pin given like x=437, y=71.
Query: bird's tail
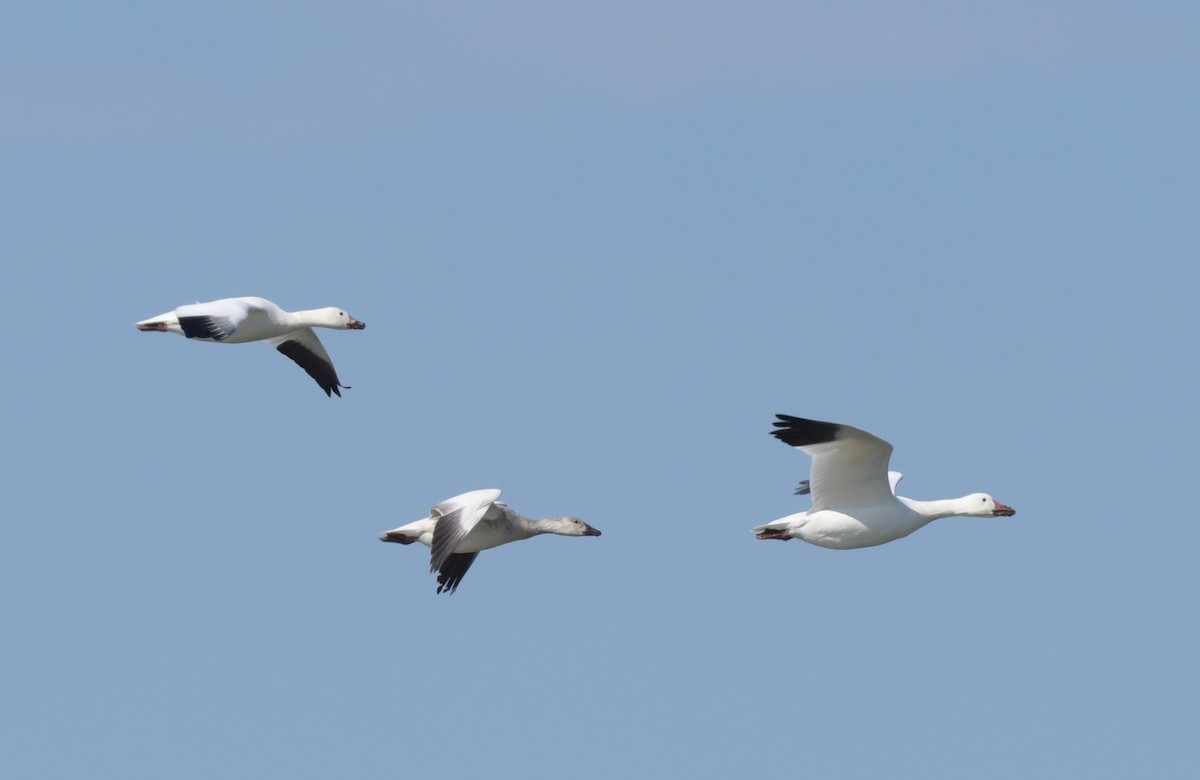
x=398, y=536
x=776, y=529
x=166, y=323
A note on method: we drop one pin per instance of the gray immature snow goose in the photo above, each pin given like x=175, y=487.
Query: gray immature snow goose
x=459, y=528
x=238, y=320
x=853, y=493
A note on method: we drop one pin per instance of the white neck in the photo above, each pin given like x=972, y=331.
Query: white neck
x=942, y=507
x=305, y=318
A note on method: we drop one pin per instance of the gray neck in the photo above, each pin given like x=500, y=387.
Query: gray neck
x=546, y=525
x=526, y=526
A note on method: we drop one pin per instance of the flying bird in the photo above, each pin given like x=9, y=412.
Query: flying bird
x=459, y=528
x=853, y=493
x=238, y=320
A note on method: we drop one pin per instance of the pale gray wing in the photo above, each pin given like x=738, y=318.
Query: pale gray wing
x=455, y=519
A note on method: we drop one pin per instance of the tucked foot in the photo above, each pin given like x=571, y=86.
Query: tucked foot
x=782, y=534
x=159, y=326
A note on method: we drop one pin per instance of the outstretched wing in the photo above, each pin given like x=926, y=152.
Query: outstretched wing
x=305, y=348
x=894, y=477
x=849, y=465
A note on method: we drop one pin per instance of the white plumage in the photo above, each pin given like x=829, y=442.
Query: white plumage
x=854, y=495
x=239, y=320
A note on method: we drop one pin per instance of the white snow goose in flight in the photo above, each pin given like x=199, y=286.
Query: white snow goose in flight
x=238, y=320
x=459, y=528
x=854, y=495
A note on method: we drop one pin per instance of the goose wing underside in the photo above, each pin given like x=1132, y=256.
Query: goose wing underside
x=303, y=347
x=453, y=570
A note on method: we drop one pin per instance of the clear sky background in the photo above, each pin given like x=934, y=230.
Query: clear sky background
x=597, y=249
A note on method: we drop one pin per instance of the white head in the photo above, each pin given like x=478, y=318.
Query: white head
x=333, y=317
x=983, y=505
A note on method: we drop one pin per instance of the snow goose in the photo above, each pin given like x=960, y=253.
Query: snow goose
x=854, y=495
x=459, y=528
x=238, y=320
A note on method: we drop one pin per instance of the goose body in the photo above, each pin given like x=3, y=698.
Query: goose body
x=241, y=320
x=854, y=495
x=459, y=528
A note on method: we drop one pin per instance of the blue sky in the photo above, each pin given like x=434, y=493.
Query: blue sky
x=596, y=251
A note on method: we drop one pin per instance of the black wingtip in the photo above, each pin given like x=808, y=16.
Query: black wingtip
x=320, y=370
x=453, y=570
x=447, y=584
x=804, y=488
x=799, y=431
x=205, y=327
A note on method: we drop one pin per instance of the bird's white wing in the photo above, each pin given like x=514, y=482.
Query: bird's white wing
x=849, y=466
x=455, y=519
x=894, y=477
x=216, y=320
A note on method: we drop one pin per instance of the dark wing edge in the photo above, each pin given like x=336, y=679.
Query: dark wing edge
x=215, y=328
x=320, y=370
x=800, y=432
x=453, y=570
